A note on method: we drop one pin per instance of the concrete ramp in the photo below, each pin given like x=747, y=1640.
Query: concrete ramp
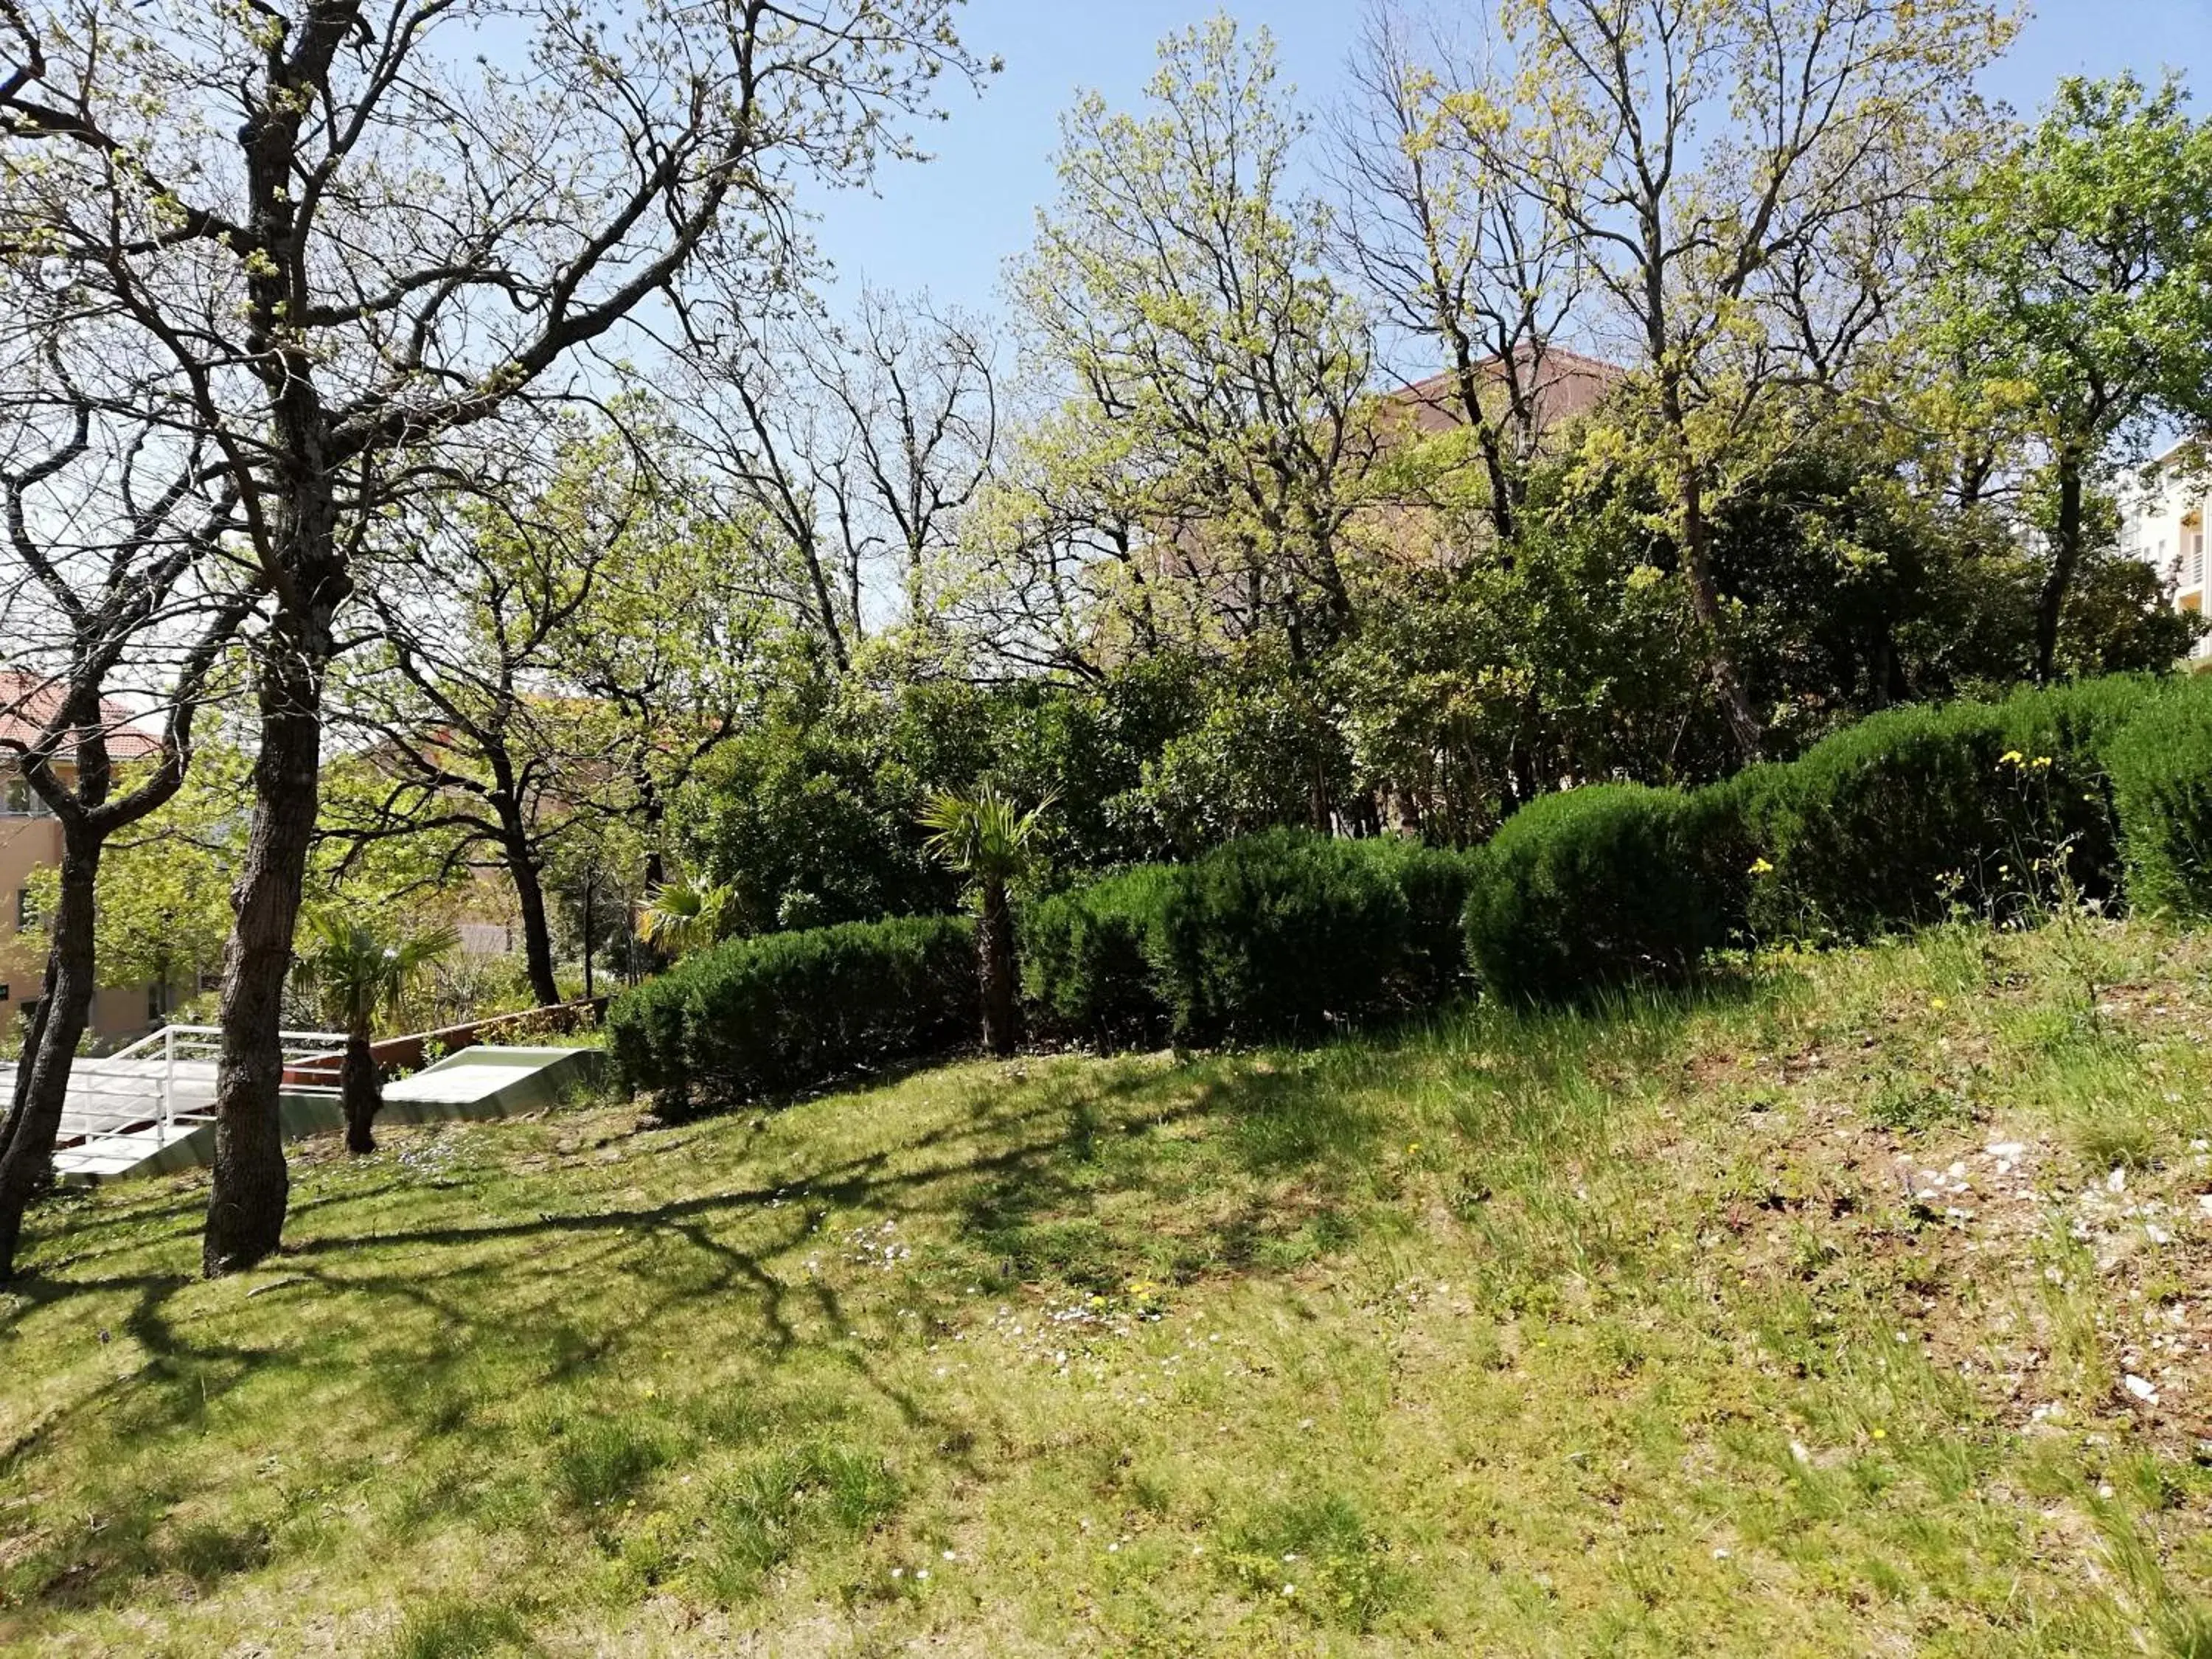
x=475, y=1084
x=145, y=1111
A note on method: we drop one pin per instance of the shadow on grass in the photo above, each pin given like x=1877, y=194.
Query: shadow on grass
x=1071, y=1175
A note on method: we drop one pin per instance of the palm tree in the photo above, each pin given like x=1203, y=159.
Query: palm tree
x=985, y=837
x=683, y=916
x=358, y=973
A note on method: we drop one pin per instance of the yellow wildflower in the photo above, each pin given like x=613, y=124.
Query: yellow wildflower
x=2011, y=758
x=1761, y=867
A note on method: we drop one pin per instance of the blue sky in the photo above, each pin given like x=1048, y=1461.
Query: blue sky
x=949, y=226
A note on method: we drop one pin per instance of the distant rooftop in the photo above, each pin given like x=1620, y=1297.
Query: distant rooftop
x=1568, y=383
x=27, y=703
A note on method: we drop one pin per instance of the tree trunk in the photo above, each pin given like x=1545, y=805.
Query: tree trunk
x=246, y=1201
x=42, y=1083
x=994, y=964
x=1743, y=724
x=2065, y=558
x=362, y=1091
x=537, y=932
x=590, y=884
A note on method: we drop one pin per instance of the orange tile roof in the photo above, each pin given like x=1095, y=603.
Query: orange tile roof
x=27, y=703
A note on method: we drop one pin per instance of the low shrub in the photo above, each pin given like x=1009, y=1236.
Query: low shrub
x=1896, y=821
x=787, y=1012
x=2160, y=763
x=1435, y=881
x=1280, y=934
x=1593, y=886
x=1085, y=972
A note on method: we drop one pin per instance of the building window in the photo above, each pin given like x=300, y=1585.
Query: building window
x=16, y=797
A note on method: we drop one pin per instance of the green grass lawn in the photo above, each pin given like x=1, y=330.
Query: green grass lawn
x=1861, y=1306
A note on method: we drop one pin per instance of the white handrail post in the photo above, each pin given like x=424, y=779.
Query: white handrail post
x=168, y=1084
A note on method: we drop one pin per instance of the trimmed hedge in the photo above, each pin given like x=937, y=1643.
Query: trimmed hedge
x=1890, y=822
x=782, y=1012
x=2161, y=772
x=2100, y=788
x=1281, y=934
x=1594, y=886
x=1085, y=971
x=1436, y=882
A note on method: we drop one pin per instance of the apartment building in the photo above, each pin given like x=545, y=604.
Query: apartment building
x=2162, y=524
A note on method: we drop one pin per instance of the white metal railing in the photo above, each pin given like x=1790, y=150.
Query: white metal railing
x=164, y=1083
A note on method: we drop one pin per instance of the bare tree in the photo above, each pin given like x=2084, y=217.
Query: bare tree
x=112, y=586
x=354, y=230
x=780, y=461
x=1719, y=162
x=1448, y=244
x=917, y=391
x=859, y=444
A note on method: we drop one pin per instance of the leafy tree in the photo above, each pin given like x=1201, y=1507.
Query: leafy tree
x=344, y=240
x=162, y=905
x=1734, y=173
x=986, y=838
x=2074, y=281
x=1204, y=360
x=358, y=971
x=555, y=654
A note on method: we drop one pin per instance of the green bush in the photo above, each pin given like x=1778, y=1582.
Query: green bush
x=2161, y=770
x=787, y=1012
x=1280, y=934
x=1085, y=971
x=1895, y=822
x=1435, y=881
x=1592, y=887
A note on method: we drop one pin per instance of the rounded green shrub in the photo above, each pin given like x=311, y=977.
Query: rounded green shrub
x=1911, y=814
x=1284, y=934
x=1435, y=881
x=1287, y=934
x=1592, y=887
x=1084, y=974
x=783, y=1012
x=2161, y=769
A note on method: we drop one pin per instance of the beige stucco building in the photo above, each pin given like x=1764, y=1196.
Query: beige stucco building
x=31, y=841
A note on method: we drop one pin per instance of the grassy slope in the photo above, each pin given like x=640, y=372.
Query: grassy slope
x=1636, y=1333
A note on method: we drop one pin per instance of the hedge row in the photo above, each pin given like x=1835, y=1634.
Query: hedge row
x=782, y=1012
x=2100, y=791
x=1282, y=934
